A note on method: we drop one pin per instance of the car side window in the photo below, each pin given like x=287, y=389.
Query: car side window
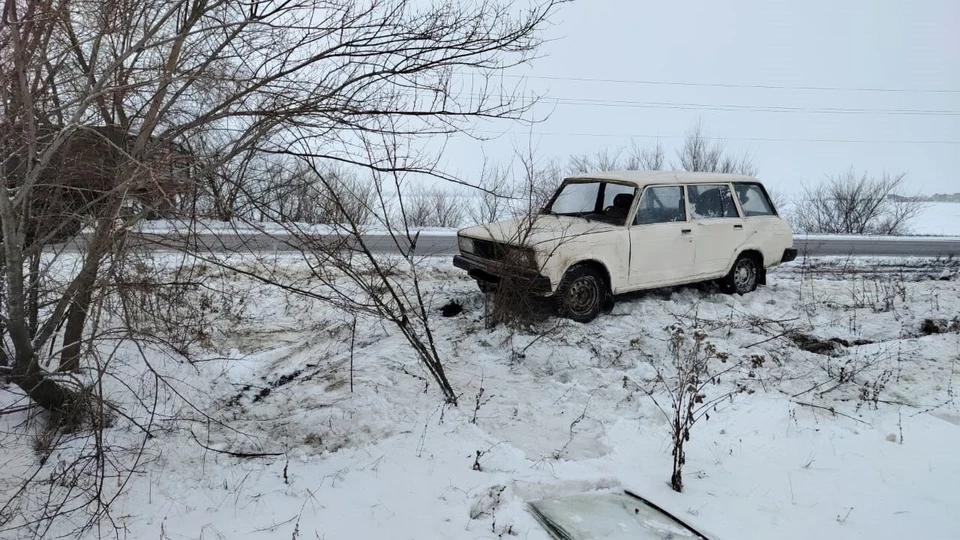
x=754, y=200
x=661, y=204
x=611, y=190
x=711, y=201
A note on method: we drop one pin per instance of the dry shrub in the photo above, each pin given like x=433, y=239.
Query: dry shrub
x=694, y=363
x=176, y=307
x=512, y=304
x=435, y=206
x=851, y=203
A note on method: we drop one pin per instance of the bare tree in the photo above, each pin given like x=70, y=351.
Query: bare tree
x=637, y=158
x=449, y=207
x=101, y=98
x=534, y=189
x=300, y=195
x=852, y=203
x=647, y=158
x=357, y=69
x=493, y=198
x=602, y=160
x=511, y=302
x=416, y=208
x=433, y=206
x=780, y=200
x=700, y=153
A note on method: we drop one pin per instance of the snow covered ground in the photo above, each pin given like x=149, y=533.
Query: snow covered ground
x=941, y=218
x=555, y=409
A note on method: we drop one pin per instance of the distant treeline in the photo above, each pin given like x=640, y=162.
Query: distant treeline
x=939, y=197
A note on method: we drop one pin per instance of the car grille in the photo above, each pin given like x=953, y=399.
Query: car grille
x=489, y=250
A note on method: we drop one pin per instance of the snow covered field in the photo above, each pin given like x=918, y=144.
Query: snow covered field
x=558, y=408
x=942, y=219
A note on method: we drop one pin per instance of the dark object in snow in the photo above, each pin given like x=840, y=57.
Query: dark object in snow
x=828, y=347
x=283, y=380
x=817, y=346
x=286, y=379
x=939, y=326
x=854, y=343
x=452, y=309
x=264, y=392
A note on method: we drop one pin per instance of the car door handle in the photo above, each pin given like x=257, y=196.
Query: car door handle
x=738, y=226
x=686, y=231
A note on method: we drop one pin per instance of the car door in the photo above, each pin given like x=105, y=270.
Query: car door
x=718, y=228
x=661, y=239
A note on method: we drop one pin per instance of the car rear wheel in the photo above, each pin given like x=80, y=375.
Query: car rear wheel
x=581, y=294
x=743, y=277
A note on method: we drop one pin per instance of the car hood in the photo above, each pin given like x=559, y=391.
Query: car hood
x=543, y=229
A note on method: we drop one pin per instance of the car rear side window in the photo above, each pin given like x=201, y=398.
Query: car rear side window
x=661, y=204
x=754, y=200
x=711, y=201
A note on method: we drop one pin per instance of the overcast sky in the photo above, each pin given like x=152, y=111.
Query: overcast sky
x=808, y=88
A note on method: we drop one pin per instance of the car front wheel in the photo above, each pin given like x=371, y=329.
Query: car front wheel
x=581, y=294
x=486, y=287
x=743, y=277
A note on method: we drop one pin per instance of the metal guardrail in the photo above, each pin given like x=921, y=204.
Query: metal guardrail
x=880, y=246
x=433, y=244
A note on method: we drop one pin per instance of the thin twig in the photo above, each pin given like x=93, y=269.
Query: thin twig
x=831, y=410
x=236, y=454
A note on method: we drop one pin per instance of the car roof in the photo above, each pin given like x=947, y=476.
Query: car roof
x=645, y=178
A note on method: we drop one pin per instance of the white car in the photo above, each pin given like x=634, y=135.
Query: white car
x=609, y=233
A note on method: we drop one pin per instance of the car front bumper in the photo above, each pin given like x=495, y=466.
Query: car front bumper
x=789, y=254
x=490, y=272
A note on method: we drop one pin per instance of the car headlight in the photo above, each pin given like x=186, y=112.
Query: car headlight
x=466, y=244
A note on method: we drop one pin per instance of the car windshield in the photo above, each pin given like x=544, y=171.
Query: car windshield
x=593, y=200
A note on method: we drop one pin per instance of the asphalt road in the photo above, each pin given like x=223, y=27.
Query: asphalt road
x=433, y=244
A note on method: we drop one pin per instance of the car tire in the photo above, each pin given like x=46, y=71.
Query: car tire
x=581, y=294
x=743, y=277
x=486, y=287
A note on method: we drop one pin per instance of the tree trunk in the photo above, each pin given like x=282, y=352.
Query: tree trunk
x=4, y=360
x=80, y=304
x=33, y=305
x=59, y=400
x=76, y=321
x=676, y=479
